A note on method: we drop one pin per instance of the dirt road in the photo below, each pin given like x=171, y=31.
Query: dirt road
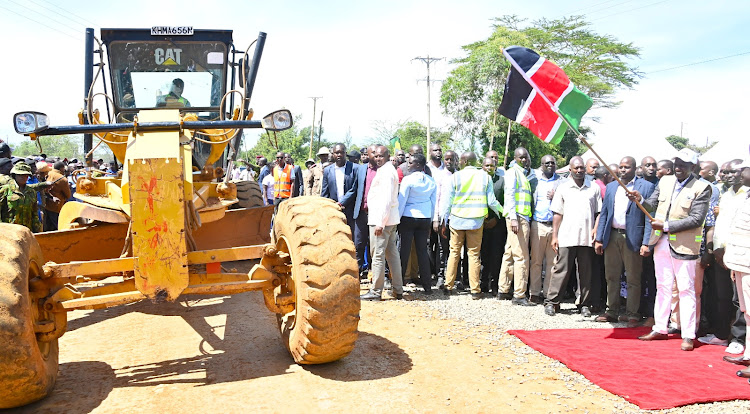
x=223, y=354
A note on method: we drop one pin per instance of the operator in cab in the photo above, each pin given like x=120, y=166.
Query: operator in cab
x=174, y=98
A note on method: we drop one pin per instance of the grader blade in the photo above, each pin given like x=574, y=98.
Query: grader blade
x=94, y=242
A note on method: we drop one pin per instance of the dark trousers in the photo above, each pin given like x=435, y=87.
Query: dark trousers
x=717, y=300
x=417, y=230
x=434, y=252
x=361, y=238
x=50, y=220
x=739, y=327
x=598, y=282
x=566, y=257
x=648, y=287
x=493, y=242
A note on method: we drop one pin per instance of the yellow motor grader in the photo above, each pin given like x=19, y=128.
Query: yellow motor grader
x=163, y=227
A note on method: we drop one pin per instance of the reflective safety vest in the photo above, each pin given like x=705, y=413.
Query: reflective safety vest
x=470, y=193
x=522, y=192
x=282, y=181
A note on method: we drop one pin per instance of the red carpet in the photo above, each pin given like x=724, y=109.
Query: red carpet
x=652, y=375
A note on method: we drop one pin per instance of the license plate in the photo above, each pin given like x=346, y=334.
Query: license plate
x=172, y=30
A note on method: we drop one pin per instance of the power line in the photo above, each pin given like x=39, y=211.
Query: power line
x=629, y=10
x=85, y=22
x=589, y=6
x=699, y=63
x=42, y=15
x=57, y=13
x=47, y=26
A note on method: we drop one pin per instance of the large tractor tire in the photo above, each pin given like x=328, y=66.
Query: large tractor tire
x=28, y=367
x=248, y=194
x=324, y=280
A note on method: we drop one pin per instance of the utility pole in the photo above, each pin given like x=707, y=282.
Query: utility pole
x=312, y=128
x=427, y=60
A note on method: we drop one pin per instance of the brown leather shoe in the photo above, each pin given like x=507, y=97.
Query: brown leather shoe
x=653, y=336
x=634, y=322
x=745, y=373
x=738, y=360
x=687, y=345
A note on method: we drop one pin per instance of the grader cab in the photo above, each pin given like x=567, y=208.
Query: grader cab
x=163, y=228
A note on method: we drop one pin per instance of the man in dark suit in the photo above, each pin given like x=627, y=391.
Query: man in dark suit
x=365, y=174
x=622, y=237
x=340, y=183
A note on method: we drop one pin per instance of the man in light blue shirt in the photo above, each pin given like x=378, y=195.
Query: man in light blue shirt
x=541, y=229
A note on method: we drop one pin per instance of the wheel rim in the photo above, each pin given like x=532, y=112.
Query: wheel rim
x=37, y=310
x=289, y=319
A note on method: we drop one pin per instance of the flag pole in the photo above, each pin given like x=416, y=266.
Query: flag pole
x=580, y=136
x=507, y=143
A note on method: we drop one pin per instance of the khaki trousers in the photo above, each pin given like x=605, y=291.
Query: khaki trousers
x=617, y=257
x=542, y=254
x=516, y=260
x=473, y=241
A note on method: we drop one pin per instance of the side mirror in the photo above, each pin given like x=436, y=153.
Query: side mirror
x=242, y=77
x=30, y=122
x=277, y=121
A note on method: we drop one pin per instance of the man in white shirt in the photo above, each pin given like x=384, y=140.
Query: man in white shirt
x=383, y=219
x=576, y=205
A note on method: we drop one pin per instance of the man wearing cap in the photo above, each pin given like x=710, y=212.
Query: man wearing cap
x=354, y=156
x=680, y=202
x=18, y=201
x=4, y=150
x=314, y=181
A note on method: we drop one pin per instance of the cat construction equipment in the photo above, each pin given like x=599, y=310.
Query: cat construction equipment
x=163, y=227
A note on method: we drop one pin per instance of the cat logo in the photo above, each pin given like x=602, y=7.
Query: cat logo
x=167, y=57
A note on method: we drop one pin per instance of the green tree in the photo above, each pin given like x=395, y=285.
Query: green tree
x=294, y=141
x=409, y=133
x=679, y=143
x=472, y=92
x=63, y=146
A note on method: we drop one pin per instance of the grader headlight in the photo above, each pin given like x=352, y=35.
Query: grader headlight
x=278, y=120
x=30, y=122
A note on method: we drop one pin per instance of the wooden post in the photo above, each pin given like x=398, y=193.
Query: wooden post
x=507, y=143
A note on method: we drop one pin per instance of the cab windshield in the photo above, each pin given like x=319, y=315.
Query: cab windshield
x=168, y=74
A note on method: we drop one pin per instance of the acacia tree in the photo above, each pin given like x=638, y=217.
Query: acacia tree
x=596, y=64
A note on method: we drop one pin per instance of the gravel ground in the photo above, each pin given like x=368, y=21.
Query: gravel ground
x=490, y=318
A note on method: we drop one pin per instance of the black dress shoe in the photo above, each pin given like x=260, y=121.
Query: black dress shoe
x=370, y=295
x=521, y=302
x=536, y=299
x=738, y=360
x=549, y=309
x=504, y=296
x=399, y=296
x=585, y=312
x=477, y=296
x=447, y=291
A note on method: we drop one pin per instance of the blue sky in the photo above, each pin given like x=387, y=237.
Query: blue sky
x=357, y=56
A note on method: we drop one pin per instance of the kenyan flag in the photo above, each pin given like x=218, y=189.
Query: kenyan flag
x=534, y=86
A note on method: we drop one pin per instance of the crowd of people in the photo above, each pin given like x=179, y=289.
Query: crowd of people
x=671, y=237
x=33, y=190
